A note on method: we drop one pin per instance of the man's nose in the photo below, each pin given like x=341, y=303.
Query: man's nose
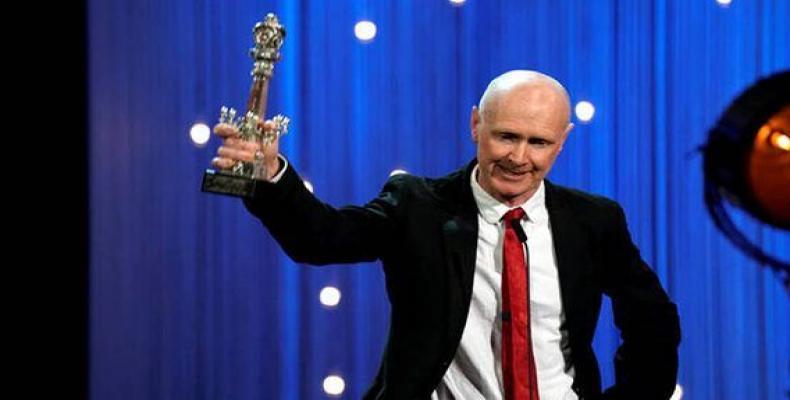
x=519, y=153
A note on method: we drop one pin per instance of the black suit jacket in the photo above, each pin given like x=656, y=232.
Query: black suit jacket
x=425, y=233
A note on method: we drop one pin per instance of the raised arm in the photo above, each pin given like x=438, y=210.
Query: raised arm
x=314, y=232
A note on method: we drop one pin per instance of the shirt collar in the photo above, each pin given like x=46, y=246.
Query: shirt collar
x=492, y=210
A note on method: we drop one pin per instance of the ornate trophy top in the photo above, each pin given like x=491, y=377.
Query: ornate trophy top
x=269, y=36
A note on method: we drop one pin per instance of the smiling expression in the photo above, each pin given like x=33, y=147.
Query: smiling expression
x=519, y=133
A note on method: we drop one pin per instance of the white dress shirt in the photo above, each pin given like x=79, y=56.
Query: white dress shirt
x=476, y=369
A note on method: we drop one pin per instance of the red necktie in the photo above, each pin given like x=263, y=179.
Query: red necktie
x=518, y=362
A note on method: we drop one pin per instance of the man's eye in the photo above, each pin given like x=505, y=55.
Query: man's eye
x=538, y=142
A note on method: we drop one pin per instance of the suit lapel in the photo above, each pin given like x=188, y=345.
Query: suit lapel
x=567, y=237
x=459, y=239
x=460, y=244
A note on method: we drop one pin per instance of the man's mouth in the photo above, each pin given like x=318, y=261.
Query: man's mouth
x=514, y=173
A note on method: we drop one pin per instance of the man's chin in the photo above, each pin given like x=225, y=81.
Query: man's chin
x=506, y=190
x=513, y=186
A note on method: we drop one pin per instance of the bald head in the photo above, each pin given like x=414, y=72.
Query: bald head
x=527, y=87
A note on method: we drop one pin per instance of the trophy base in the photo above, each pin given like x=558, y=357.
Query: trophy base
x=227, y=184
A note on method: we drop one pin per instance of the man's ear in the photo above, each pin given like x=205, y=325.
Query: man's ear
x=474, y=121
x=568, y=130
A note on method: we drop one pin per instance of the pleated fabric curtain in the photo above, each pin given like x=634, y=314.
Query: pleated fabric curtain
x=192, y=299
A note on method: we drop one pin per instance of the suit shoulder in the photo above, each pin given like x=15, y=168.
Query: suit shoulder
x=583, y=201
x=404, y=189
x=426, y=186
x=404, y=183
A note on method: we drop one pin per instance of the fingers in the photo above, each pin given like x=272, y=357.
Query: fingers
x=234, y=149
x=223, y=163
x=267, y=125
x=225, y=130
x=238, y=144
x=235, y=154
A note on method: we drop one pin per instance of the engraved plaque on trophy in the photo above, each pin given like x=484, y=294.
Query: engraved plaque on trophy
x=240, y=180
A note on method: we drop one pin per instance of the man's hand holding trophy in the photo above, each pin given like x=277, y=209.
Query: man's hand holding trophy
x=249, y=152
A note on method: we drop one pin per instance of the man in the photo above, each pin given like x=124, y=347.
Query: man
x=495, y=275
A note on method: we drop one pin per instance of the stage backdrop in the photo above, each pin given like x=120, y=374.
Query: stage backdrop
x=192, y=299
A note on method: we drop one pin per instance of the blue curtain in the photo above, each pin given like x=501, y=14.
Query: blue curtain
x=191, y=299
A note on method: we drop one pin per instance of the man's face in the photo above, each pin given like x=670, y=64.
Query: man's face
x=518, y=138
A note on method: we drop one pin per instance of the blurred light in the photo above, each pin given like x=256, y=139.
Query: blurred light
x=330, y=296
x=457, y=2
x=365, y=31
x=780, y=140
x=308, y=185
x=200, y=133
x=584, y=111
x=334, y=385
x=398, y=172
x=768, y=167
x=753, y=131
x=724, y=3
x=678, y=393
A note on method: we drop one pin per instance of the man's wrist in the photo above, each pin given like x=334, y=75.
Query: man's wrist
x=275, y=170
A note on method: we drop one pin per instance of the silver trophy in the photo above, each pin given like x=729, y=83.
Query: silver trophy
x=240, y=180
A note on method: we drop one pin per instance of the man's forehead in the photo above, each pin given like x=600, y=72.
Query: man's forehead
x=536, y=90
x=526, y=101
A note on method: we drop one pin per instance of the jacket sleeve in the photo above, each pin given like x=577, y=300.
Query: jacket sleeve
x=646, y=362
x=314, y=232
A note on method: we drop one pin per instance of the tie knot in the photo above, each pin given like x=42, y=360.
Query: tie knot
x=515, y=214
